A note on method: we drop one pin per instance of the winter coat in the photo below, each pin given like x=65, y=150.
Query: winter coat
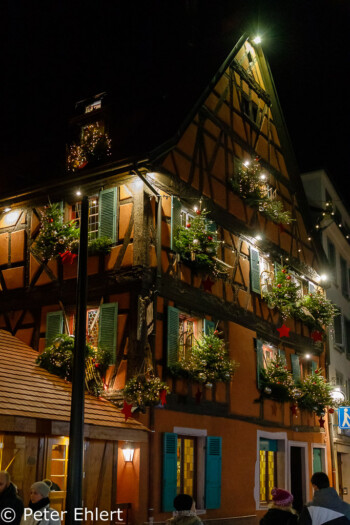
x=279, y=517
x=326, y=508
x=9, y=499
x=184, y=519
x=47, y=518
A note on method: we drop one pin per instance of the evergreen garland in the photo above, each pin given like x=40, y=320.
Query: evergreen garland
x=284, y=294
x=144, y=390
x=198, y=246
x=315, y=393
x=316, y=311
x=208, y=361
x=55, y=236
x=250, y=184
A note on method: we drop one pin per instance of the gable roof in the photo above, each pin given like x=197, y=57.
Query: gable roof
x=27, y=390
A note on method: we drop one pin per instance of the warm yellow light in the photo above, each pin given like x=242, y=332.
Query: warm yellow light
x=263, y=176
x=323, y=277
x=258, y=237
x=12, y=217
x=6, y=210
x=128, y=453
x=257, y=40
x=78, y=193
x=246, y=163
x=307, y=356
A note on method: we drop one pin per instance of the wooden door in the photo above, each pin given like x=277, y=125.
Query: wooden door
x=56, y=469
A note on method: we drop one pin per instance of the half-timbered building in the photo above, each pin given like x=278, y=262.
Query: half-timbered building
x=224, y=443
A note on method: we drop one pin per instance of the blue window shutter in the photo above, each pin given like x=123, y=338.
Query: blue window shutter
x=208, y=326
x=175, y=219
x=213, y=472
x=54, y=325
x=169, y=471
x=107, y=214
x=107, y=328
x=259, y=360
x=268, y=445
x=295, y=367
x=313, y=366
x=173, y=335
x=254, y=270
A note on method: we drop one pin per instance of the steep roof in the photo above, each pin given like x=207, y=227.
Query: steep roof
x=29, y=391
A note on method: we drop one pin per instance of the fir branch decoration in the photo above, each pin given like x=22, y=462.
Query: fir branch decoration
x=315, y=393
x=208, y=361
x=100, y=246
x=284, y=294
x=95, y=145
x=144, y=390
x=198, y=245
x=316, y=311
x=276, y=381
x=250, y=184
x=55, y=236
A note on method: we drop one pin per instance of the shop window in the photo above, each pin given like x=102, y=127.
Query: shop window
x=182, y=330
x=268, y=469
x=192, y=465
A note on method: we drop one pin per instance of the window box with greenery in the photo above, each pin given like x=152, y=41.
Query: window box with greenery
x=316, y=311
x=250, y=184
x=277, y=382
x=145, y=390
x=283, y=294
x=207, y=362
x=315, y=393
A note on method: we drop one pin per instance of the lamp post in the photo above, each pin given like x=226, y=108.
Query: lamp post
x=76, y=431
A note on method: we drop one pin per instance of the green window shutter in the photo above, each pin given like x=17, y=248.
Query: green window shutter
x=259, y=360
x=107, y=214
x=175, y=219
x=254, y=270
x=107, y=328
x=213, y=472
x=169, y=471
x=282, y=353
x=313, y=366
x=54, y=325
x=295, y=367
x=208, y=326
x=173, y=335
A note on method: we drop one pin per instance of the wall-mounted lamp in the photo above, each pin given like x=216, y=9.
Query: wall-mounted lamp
x=337, y=395
x=128, y=452
x=6, y=210
x=257, y=40
x=78, y=193
x=307, y=356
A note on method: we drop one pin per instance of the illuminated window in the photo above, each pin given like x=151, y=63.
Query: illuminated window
x=188, y=331
x=57, y=462
x=93, y=216
x=268, y=469
x=93, y=107
x=86, y=131
x=92, y=326
x=186, y=465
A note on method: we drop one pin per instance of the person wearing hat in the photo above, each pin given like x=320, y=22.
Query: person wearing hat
x=280, y=510
x=185, y=511
x=326, y=506
x=11, y=506
x=39, y=511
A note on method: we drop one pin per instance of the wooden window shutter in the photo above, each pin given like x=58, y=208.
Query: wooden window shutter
x=295, y=367
x=107, y=328
x=259, y=360
x=175, y=219
x=213, y=472
x=254, y=270
x=169, y=471
x=172, y=335
x=208, y=326
x=54, y=325
x=107, y=214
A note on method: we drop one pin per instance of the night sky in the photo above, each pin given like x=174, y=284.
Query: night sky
x=56, y=53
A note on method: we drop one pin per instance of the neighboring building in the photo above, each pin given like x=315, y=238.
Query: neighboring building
x=333, y=224
x=216, y=442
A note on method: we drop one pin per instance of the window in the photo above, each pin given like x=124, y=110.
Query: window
x=347, y=336
x=344, y=277
x=183, y=329
x=338, y=330
x=93, y=216
x=332, y=258
x=298, y=282
x=94, y=106
x=261, y=272
x=192, y=464
x=186, y=465
x=87, y=130
x=268, y=469
x=265, y=353
x=339, y=378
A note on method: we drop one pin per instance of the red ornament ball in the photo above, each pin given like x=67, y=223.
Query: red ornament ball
x=283, y=271
x=317, y=371
x=210, y=238
x=216, y=332
x=279, y=286
x=198, y=212
x=288, y=277
x=188, y=225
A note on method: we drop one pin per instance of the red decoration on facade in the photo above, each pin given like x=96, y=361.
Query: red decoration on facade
x=198, y=396
x=188, y=225
x=210, y=238
x=198, y=212
x=293, y=409
x=283, y=331
x=331, y=410
x=162, y=396
x=68, y=257
x=288, y=277
x=126, y=410
x=322, y=422
x=279, y=285
x=208, y=284
x=316, y=336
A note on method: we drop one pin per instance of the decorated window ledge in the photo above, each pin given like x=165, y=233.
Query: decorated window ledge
x=251, y=183
x=95, y=145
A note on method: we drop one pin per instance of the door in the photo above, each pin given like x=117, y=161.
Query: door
x=56, y=470
x=297, y=478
